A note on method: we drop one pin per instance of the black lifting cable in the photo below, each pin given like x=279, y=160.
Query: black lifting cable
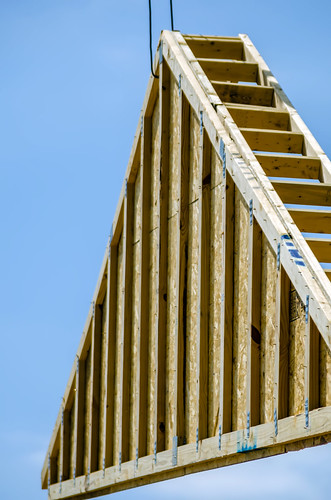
x=150, y=32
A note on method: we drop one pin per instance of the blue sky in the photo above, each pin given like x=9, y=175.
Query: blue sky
x=73, y=75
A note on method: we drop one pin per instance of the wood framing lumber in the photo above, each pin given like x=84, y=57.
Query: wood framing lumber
x=300, y=167
x=209, y=332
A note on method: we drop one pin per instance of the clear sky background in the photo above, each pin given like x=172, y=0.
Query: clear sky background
x=73, y=75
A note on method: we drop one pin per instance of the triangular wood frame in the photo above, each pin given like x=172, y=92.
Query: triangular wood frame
x=208, y=339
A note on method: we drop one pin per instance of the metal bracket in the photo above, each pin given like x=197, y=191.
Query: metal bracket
x=62, y=417
x=103, y=467
x=307, y=309
x=250, y=212
x=307, y=413
x=223, y=156
x=278, y=256
x=201, y=122
x=154, y=451
x=142, y=126
x=93, y=309
x=88, y=476
x=276, y=422
x=174, y=450
x=219, y=436
x=179, y=84
x=248, y=423
x=160, y=53
x=74, y=476
x=120, y=461
x=60, y=487
x=197, y=440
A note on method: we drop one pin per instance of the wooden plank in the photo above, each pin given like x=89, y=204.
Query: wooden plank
x=93, y=446
x=124, y=430
x=259, y=117
x=227, y=298
x=143, y=344
x=204, y=288
x=314, y=367
x=303, y=193
x=112, y=292
x=273, y=141
x=269, y=332
x=79, y=417
x=192, y=304
x=173, y=263
x=297, y=335
x=312, y=221
x=254, y=333
x=65, y=445
x=182, y=237
x=229, y=71
x=216, y=47
x=103, y=304
x=238, y=93
x=284, y=339
x=88, y=400
x=301, y=167
x=240, y=314
x=321, y=248
x=209, y=457
x=153, y=226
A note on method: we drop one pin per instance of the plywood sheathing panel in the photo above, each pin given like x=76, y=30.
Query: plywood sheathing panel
x=268, y=319
x=240, y=313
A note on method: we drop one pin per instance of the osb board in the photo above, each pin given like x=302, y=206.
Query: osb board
x=117, y=381
x=240, y=314
x=268, y=324
x=296, y=355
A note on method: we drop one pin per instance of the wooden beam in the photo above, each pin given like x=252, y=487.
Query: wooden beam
x=303, y=193
x=216, y=47
x=124, y=389
x=238, y=93
x=229, y=71
x=143, y=311
x=163, y=194
x=259, y=117
x=79, y=417
x=312, y=221
x=273, y=141
x=321, y=248
x=301, y=167
x=227, y=278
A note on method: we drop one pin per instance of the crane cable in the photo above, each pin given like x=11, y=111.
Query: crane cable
x=150, y=32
